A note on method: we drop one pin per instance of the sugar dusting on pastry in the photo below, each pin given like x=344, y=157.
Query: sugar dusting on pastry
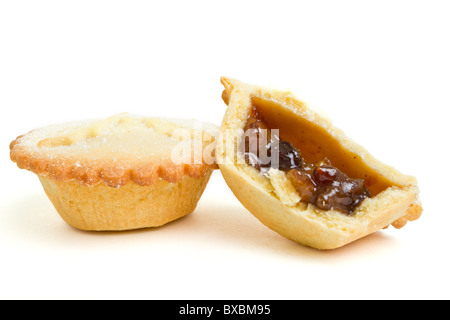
x=133, y=146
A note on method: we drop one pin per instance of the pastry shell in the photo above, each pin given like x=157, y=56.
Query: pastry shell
x=394, y=198
x=120, y=173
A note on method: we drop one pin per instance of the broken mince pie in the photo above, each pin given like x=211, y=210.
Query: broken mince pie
x=301, y=176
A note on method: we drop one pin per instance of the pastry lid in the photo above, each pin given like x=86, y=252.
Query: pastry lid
x=118, y=149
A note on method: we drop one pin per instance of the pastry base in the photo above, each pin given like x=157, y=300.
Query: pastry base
x=103, y=208
x=315, y=228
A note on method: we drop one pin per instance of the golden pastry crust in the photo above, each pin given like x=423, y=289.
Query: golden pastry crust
x=395, y=196
x=102, y=208
x=115, y=151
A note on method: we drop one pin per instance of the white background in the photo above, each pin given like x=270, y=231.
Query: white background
x=379, y=69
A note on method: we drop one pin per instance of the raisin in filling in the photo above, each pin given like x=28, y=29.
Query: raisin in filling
x=320, y=184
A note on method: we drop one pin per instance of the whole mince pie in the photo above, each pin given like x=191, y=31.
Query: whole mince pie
x=301, y=176
x=120, y=173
